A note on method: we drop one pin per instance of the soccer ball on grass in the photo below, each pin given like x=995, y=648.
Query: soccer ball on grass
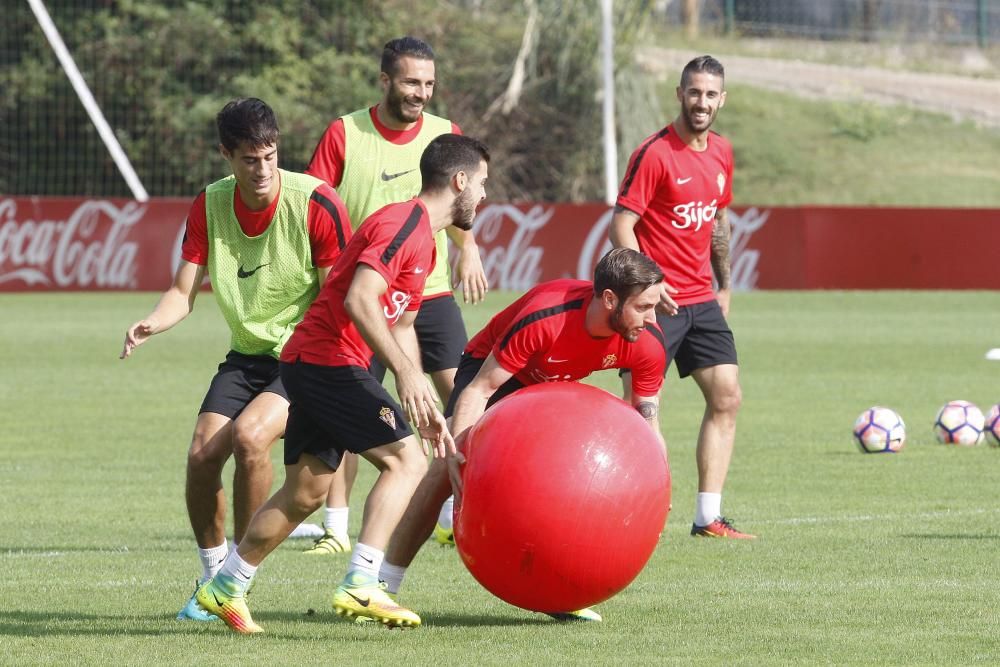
x=879, y=429
x=959, y=423
x=993, y=426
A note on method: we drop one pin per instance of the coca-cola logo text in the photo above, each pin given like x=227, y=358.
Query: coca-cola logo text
x=87, y=249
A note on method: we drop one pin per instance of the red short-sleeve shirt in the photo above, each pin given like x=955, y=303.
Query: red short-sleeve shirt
x=542, y=337
x=396, y=241
x=676, y=192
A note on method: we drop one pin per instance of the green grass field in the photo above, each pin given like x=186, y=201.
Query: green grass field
x=861, y=559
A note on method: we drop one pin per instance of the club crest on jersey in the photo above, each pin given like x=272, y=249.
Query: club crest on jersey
x=388, y=416
x=609, y=361
x=721, y=180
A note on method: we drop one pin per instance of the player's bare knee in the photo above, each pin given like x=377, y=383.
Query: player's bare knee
x=305, y=501
x=251, y=442
x=409, y=460
x=206, y=456
x=726, y=400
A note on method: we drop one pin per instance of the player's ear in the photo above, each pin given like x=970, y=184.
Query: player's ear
x=609, y=299
x=460, y=180
x=225, y=153
x=722, y=99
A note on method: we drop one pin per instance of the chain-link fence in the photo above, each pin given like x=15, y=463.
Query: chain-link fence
x=160, y=71
x=973, y=22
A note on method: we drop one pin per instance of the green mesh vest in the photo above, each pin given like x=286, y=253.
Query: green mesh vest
x=378, y=172
x=265, y=283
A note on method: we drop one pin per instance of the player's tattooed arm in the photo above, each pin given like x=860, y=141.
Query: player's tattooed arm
x=648, y=410
x=721, y=233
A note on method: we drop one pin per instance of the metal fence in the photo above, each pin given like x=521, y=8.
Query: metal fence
x=971, y=22
x=148, y=71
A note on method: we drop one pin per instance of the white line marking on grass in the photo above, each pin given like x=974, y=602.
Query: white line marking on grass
x=794, y=521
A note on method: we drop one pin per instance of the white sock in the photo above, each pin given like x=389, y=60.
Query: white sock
x=212, y=559
x=366, y=559
x=708, y=508
x=392, y=575
x=238, y=570
x=444, y=518
x=335, y=520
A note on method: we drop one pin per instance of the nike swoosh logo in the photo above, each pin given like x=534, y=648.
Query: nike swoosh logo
x=389, y=177
x=367, y=560
x=418, y=270
x=243, y=273
x=682, y=181
x=363, y=603
x=557, y=361
x=216, y=598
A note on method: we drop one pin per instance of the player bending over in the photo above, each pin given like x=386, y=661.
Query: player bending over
x=559, y=331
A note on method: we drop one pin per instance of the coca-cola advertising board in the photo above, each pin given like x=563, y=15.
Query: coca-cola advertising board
x=119, y=244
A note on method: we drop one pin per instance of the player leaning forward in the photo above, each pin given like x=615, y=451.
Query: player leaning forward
x=559, y=331
x=267, y=238
x=368, y=304
x=672, y=207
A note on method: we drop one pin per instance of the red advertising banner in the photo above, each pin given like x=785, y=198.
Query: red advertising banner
x=119, y=244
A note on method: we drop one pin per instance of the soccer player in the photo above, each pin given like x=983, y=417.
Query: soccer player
x=267, y=237
x=372, y=156
x=368, y=304
x=672, y=207
x=559, y=331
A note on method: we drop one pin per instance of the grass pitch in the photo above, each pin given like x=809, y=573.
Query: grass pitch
x=861, y=558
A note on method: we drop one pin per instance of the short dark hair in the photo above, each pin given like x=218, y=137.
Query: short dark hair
x=447, y=155
x=625, y=272
x=404, y=46
x=706, y=64
x=247, y=120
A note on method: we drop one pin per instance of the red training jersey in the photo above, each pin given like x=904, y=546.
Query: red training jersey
x=328, y=159
x=542, y=337
x=676, y=192
x=396, y=241
x=329, y=227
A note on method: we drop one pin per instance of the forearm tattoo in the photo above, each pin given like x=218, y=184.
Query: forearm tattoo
x=647, y=409
x=721, y=232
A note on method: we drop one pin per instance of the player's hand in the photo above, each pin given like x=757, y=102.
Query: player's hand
x=136, y=335
x=417, y=398
x=472, y=276
x=723, y=296
x=455, y=463
x=437, y=434
x=667, y=304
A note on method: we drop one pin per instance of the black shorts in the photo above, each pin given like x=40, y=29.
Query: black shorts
x=239, y=380
x=337, y=409
x=697, y=337
x=441, y=334
x=467, y=369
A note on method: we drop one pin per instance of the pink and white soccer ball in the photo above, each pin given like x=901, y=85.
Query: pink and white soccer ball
x=993, y=426
x=879, y=429
x=959, y=423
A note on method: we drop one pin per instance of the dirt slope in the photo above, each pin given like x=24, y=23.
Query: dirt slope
x=962, y=98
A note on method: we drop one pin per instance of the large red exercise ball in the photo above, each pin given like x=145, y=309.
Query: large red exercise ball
x=565, y=493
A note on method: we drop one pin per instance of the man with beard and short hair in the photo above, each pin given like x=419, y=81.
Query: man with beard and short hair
x=367, y=306
x=559, y=331
x=673, y=207
x=371, y=157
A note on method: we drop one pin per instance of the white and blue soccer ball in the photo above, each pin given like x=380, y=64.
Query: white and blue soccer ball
x=993, y=426
x=879, y=429
x=960, y=423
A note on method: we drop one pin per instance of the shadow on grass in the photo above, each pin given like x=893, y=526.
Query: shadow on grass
x=19, y=623
x=951, y=536
x=430, y=619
